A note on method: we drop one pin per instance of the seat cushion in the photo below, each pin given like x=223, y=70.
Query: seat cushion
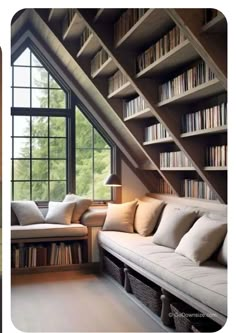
x=48, y=230
x=206, y=283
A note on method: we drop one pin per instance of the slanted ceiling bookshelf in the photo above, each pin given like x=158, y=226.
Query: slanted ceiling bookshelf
x=161, y=72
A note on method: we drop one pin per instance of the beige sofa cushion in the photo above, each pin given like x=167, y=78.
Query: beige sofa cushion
x=146, y=216
x=48, y=230
x=222, y=255
x=59, y=212
x=202, y=240
x=27, y=212
x=81, y=205
x=174, y=223
x=120, y=217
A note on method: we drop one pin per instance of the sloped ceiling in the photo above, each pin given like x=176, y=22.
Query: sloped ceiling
x=29, y=24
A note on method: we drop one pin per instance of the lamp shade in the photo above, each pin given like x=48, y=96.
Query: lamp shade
x=112, y=180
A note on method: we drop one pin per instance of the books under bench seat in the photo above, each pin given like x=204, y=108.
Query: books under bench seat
x=46, y=254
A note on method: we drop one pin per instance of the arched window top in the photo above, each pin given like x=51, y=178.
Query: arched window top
x=33, y=86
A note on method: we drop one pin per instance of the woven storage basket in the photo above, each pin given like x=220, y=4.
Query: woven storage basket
x=146, y=291
x=114, y=267
x=187, y=319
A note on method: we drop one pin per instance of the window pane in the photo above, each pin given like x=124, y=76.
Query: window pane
x=21, y=190
x=23, y=59
x=57, y=99
x=39, y=126
x=57, y=191
x=84, y=172
x=21, y=126
x=21, y=148
x=39, y=98
x=21, y=169
x=57, y=170
x=84, y=131
x=21, y=97
x=53, y=83
x=39, y=170
x=40, y=191
x=57, y=148
x=35, y=61
x=39, y=148
x=99, y=142
x=57, y=126
x=39, y=77
x=21, y=76
x=101, y=171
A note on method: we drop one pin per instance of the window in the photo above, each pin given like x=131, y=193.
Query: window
x=44, y=167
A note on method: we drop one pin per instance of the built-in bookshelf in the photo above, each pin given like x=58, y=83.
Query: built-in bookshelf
x=174, y=159
x=98, y=60
x=164, y=187
x=120, y=86
x=134, y=106
x=193, y=188
x=156, y=132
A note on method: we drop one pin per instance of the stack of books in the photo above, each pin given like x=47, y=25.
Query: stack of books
x=193, y=77
x=164, y=187
x=134, y=106
x=116, y=81
x=198, y=189
x=99, y=59
x=155, y=132
x=126, y=21
x=175, y=159
x=216, y=156
x=165, y=44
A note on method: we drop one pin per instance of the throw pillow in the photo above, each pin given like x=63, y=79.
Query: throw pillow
x=120, y=217
x=146, y=216
x=81, y=205
x=174, y=223
x=27, y=212
x=60, y=212
x=222, y=255
x=202, y=239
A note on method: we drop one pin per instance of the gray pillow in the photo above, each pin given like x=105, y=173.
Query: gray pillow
x=174, y=223
x=120, y=217
x=81, y=205
x=27, y=212
x=222, y=255
x=60, y=212
x=202, y=240
x=146, y=216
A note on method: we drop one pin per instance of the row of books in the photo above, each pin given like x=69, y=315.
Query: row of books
x=169, y=41
x=155, y=132
x=134, y=106
x=68, y=19
x=212, y=117
x=84, y=36
x=198, y=189
x=174, y=159
x=44, y=255
x=216, y=155
x=191, y=78
x=116, y=81
x=164, y=187
x=99, y=59
x=126, y=21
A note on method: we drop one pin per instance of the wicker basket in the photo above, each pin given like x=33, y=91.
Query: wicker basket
x=187, y=319
x=114, y=267
x=146, y=291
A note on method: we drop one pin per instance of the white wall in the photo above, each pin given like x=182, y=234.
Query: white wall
x=132, y=187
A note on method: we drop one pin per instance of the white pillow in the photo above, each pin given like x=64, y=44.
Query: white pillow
x=27, y=212
x=203, y=239
x=81, y=205
x=60, y=212
x=120, y=217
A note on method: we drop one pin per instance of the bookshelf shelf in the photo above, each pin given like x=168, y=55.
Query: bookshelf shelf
x=216, y=168
x=90, y=47
x=178, y=56
x=75, y=27
x=107, y=14
x=159, y=141
x=147, y=113
x=107, y=69
x=207, y=131
x=153, y=23
x=178, y=169
x=208, y=89
x=217, y=25
x=126, y=90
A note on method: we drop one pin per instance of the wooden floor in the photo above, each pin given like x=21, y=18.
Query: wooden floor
x=75, y=302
